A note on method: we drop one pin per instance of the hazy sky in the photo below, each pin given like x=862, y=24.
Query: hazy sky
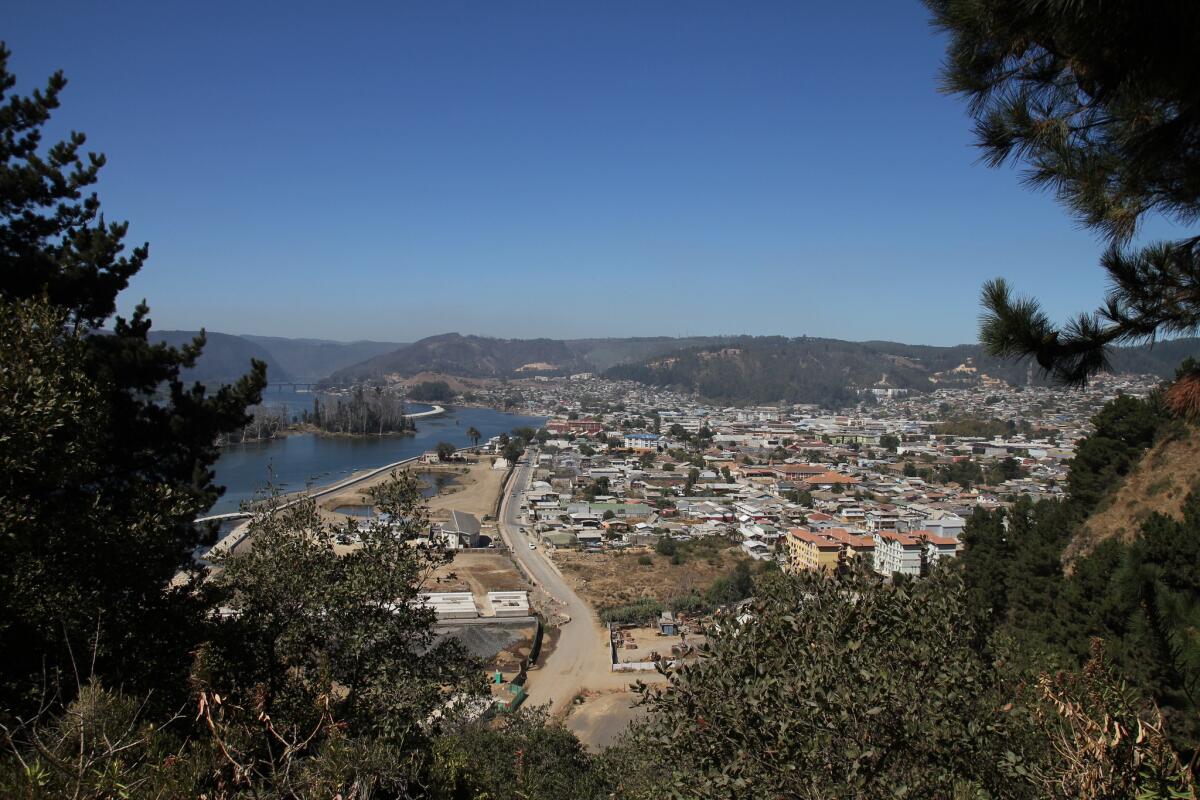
x=396, y=170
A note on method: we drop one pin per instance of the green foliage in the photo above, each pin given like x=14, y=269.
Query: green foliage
x=837, y=686
x=431, y=391
x=1124, y=428
x=1142, y=597
x=801, y=497
x=445, y=451
x=666, y=546
x=737, y=585
x=331, y=650
x=525, y=756
x=115, y=447
x=965, y=473
x=642, y=611
x=1102, y=106
x=363, y=412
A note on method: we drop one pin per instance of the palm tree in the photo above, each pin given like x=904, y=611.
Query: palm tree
x=473, y=434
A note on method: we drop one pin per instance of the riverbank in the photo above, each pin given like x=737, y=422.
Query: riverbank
x=304, y=460
x=474, y=490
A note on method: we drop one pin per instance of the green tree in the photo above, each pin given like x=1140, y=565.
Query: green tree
x=97, y=516
x=770, y=712
x=474, y=435
x=1103, y=106
x=327, y=661
x=445, y=451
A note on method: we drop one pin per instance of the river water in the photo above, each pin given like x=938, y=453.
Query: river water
x=296, y=462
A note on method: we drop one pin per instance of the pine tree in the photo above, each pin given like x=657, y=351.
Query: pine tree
x=92, y=529
x=1101, y=102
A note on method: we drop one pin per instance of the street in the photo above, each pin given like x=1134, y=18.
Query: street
x=580, y=658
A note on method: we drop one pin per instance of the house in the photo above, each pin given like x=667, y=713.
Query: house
x=854, y=544
x=589, y=537
x=756, y=549
x=936, y=547
x=827, y=480
x=810, y=551
x=945, y=524
x=464, y=527
x=898, y=553
x=643, y=442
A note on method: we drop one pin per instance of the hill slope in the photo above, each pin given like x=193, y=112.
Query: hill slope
x=469, y=357
x=313, y=359
x=1160, y=482
x=225, y=358
x=808, y=370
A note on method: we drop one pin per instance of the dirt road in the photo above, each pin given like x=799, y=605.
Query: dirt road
x=580, y=659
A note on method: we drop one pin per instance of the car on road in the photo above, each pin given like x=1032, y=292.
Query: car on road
x=532, y=546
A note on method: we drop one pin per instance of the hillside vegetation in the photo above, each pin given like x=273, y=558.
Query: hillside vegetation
x=1159, y=482
x=827, y=371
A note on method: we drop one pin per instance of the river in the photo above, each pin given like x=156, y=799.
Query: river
x=305, y=459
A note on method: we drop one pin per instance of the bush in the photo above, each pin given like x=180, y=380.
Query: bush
x=645, y=561
x=666, y=546
x=645, y=610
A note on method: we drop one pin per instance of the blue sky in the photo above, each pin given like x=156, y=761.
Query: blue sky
x=397, y=170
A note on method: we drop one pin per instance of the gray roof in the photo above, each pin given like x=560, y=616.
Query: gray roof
x=462, y=522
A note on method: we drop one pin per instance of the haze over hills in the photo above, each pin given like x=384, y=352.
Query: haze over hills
x=810, y=370
x=226, y=357
x=313, y=359
x=729, y=368
x=737, y=368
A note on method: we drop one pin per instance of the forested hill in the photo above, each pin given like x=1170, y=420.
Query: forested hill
x=468, y=357
x=485, y=357
x=827, y=371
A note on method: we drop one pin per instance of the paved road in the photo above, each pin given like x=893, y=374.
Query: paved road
x=580, y=656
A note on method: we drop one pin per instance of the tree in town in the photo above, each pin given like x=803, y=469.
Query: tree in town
x=445, y=451
x=116, y=448
x=474, y=435
x=1102, y=105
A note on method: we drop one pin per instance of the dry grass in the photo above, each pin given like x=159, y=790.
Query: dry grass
x=478, y=572
x=1160, y=482
x=608, y=579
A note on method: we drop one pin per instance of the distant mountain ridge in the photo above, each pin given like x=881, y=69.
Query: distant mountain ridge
x=729, y=368
x=313, y=359
x=827, y=371
x=485, y=357
x=226, y=356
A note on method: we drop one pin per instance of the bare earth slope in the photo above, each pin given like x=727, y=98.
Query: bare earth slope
x=1160, y=482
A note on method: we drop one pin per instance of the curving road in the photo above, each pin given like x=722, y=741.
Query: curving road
x=580, y=658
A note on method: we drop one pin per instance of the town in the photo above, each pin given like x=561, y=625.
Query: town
x=649, y=512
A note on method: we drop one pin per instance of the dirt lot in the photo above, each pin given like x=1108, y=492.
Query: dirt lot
x=474, y=489
x=602, y=717
x=650, y=645
x=606, y=579
x=478, y=572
